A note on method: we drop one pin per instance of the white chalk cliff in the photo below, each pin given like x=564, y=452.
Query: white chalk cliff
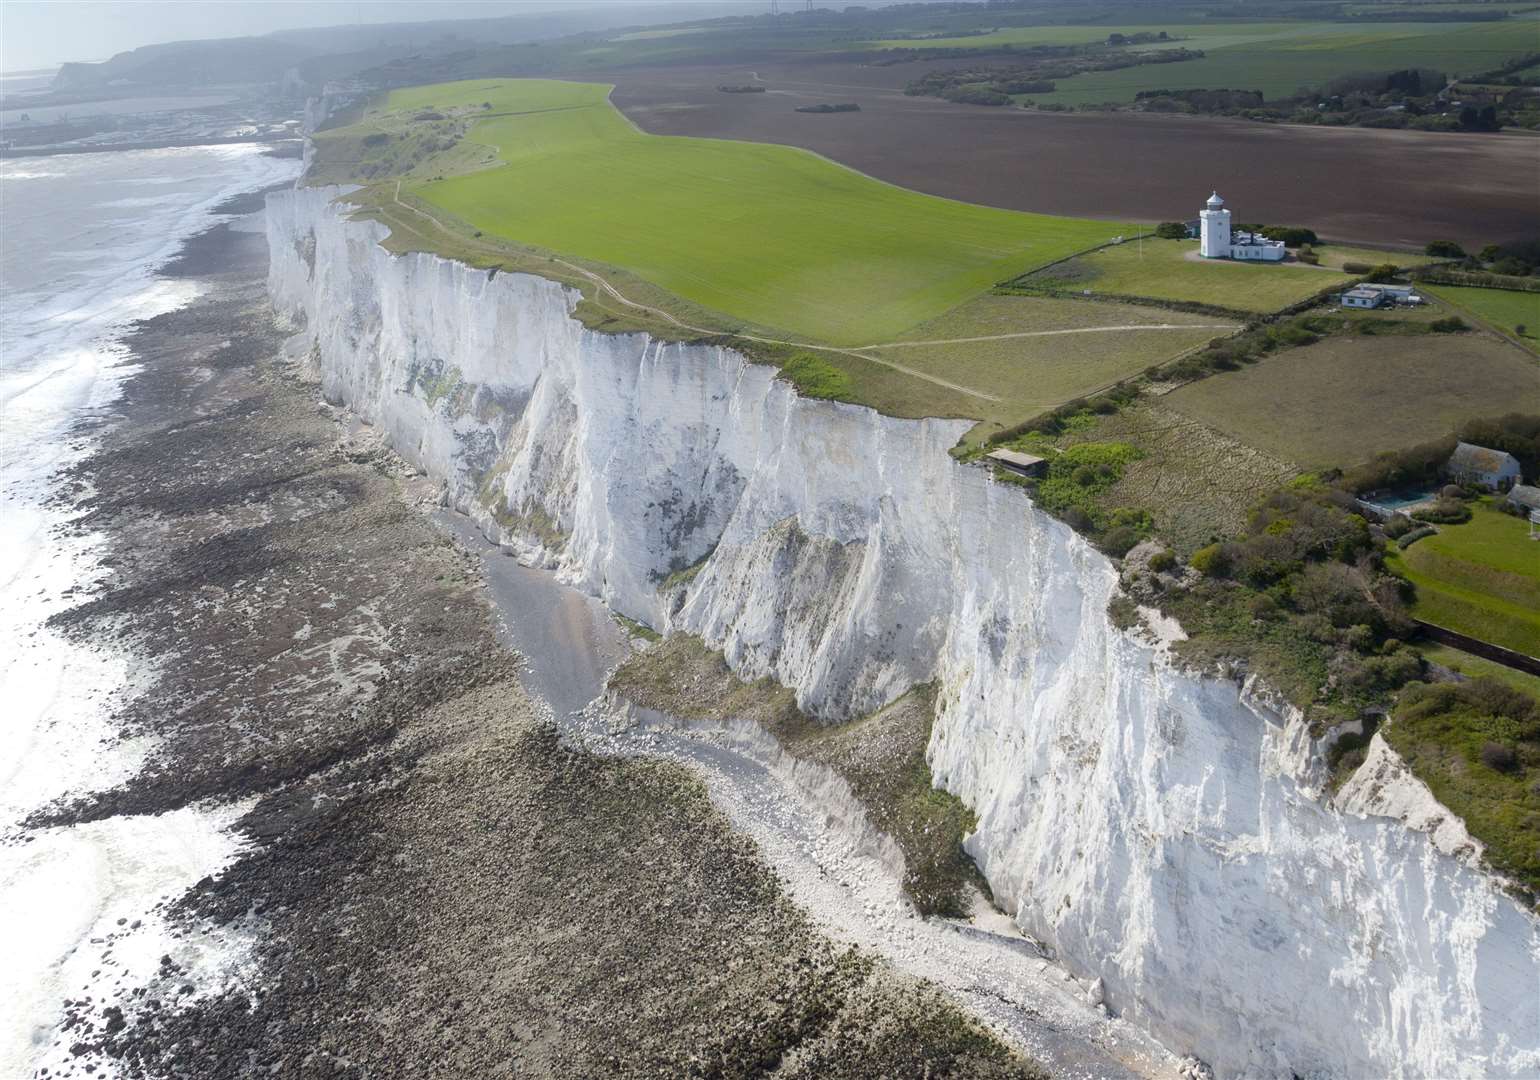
x=1163, y=831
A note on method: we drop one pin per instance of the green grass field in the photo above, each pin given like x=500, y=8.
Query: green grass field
x=1276, y=58
x=1475, y=667
x=777, y=237
x=1505, y=310
x=1345, y=399
x=1334, y=256
x=1481, y=578
x=1170, y=270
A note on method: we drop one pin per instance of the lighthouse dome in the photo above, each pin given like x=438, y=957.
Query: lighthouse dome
x=1215, y=202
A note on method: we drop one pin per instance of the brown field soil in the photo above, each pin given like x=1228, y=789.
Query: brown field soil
x=1078, y=347
x=1343, y=400
x=1354, y=185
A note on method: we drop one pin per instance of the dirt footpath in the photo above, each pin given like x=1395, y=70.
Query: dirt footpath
x=435, y=885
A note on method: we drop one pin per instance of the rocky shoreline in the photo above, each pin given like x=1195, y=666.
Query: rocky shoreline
x=434, y=884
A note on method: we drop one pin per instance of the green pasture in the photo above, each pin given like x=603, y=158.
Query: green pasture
x=1481, y=578
x=1276, y=58
x=1335, y=255
x=1475, y=667
x=770, y=235
x=1170, y=270
x=1503, y=309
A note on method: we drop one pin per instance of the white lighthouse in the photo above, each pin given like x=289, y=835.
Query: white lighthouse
x=1216, y=229
x=1220, y=242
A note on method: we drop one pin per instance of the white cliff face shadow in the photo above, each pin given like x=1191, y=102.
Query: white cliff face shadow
x=1163, y=832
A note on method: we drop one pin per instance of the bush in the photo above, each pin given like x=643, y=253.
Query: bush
x=1171, y=230
x=1398, y=526
x=1444, y=249
x=1451, y=492
x=1495, y=755
x=1452, y=325
x=1384, y=272
x=1310, y=258
x=1356, y=268
x=1406, y=540
x=1162, y=561
x=1120, y=541
x=1211, y=561
x=1443, y=512
x=1291, y=235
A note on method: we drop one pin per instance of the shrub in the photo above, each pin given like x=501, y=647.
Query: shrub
x=379, y=138
x=1291, y=235
x=1444, y=249
x=1451, y=325
x=1262, y=606
x=1076, y=519
x=1162, y=561
x=1384, y=272
x=1443, y=512
x=1308, y=257
x=1451, y=492
x=1495, y=755
x=1171, y=230
x=1356, y=268
x=1398, y=526
x=1406, y=540
x=1119, y=541
x=1211, y=561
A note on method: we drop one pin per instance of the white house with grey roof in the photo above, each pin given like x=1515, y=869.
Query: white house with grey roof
x=1472, y=464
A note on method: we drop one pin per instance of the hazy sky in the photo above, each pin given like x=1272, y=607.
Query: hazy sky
x=42, y=33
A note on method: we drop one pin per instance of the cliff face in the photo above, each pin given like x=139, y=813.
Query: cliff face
x=1163, y=831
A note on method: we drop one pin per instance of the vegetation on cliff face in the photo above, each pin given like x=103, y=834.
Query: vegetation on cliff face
x=1477, y=746
x=881, y=757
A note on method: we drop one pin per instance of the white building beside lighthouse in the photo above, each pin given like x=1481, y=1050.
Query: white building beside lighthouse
x=1218, y=242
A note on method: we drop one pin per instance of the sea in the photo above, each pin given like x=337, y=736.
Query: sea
x=81, y=237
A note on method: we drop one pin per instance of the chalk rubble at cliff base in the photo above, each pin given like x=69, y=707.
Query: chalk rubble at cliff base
x=1165, y=833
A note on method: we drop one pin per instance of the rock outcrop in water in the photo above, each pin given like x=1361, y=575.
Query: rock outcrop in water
x=1164, y=832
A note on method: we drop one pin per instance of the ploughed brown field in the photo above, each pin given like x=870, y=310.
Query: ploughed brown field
x=1354, y=185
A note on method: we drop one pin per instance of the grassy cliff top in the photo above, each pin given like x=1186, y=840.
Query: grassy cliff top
x=772, y=235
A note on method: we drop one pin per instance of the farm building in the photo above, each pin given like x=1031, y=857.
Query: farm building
x=1472, y=464
x=1217, y=241
x=1373, y=295
x=1019, y=463
x=1362, y=298
x=1525, y=498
